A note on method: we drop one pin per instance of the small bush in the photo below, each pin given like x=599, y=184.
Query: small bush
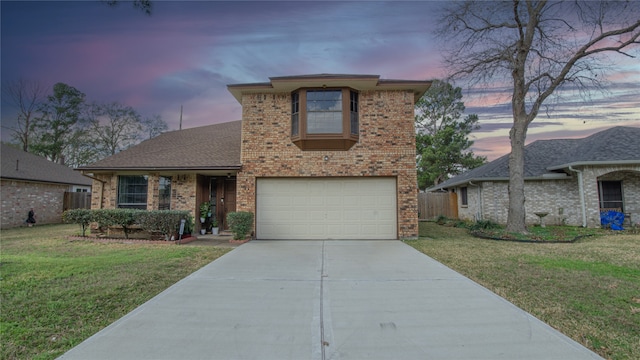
x=441, y=220
x=461, y=224
x=240, y=223
x=484, y=225
x=165, y=221
x=117, y=217
x=83, y=217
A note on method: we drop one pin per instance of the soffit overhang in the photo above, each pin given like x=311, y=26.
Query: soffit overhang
x=287, y=84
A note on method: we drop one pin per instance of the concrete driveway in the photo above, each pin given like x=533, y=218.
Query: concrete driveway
x=327, y=300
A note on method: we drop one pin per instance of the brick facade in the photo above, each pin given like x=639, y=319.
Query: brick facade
x=183, y=191
x=560, y=198
x=386, y=147
x=19, y=196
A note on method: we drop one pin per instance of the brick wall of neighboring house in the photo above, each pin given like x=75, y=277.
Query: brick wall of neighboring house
x=559, y=198
x=386, y=148
x=471, y=211
x=630, y=177
x=19, y=196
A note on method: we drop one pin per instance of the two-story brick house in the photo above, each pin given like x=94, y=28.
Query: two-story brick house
x=314, y=157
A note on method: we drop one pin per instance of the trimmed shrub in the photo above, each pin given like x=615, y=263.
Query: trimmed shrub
x=165, y=221
x=240, y=223
x=484, y=225
x=83, y=217
x=117, y=217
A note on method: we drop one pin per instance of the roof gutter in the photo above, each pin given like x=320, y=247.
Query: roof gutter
x=156, y=168
x=547, y=176
x=594, y=163
x=581, y=191
x=90, y=176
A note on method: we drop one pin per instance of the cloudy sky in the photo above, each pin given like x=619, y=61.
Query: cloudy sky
x=186, y=53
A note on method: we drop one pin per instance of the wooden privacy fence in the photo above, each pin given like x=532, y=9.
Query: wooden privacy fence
x=431, y=205
x=76, y=200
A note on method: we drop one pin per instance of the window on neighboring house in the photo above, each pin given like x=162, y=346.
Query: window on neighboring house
x=132, y=191
x=324, y=119
x=463, y=196
x=610, y=195
x=164, y=193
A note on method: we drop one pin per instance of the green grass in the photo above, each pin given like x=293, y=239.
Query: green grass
x=589, y=289
x=56, y=292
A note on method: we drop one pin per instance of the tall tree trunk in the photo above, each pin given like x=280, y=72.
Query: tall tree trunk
x=516, y=216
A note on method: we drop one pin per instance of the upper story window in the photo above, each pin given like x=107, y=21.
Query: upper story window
x=324, y=119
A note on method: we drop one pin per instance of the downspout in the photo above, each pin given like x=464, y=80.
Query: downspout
x=101, y=187
x=581, y=191
x=479, y=214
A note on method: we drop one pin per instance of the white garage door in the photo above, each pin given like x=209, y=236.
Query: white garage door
x=336, y=208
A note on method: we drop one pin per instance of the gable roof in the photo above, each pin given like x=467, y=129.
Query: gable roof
x=546, y=159
x=212, y=147
x=21, y=165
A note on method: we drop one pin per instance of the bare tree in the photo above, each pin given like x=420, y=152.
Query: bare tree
x=27, y=97
x=114, y=127
x=154, y=126
x=539, y=48
x=145, y=6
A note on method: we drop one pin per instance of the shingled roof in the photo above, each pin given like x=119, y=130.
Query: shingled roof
x=212, y=147
x=21, y=165
x=546, y=159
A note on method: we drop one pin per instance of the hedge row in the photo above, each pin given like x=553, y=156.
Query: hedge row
x=165, y=221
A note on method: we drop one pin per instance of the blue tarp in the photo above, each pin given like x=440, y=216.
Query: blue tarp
x=612, y=219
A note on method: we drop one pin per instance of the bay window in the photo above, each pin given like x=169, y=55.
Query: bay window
x=324, y=119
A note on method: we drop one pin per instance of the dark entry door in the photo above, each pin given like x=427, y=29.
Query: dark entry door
x=229, y=198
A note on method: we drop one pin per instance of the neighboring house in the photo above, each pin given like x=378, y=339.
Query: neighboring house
x=572, y=180
x=30, y=181
x=314, y=157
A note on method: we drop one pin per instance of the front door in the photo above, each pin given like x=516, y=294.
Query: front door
x=229, y=199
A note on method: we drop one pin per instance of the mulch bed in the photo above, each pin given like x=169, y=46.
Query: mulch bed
x=482, y=235
x=239, y=241
x=184, y=240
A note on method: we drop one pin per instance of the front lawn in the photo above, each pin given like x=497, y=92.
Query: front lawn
x=589, y=289
x=56, y=292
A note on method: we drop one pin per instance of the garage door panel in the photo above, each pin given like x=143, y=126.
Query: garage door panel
x=334, y=216
x=353, y=215
x=344, y=208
